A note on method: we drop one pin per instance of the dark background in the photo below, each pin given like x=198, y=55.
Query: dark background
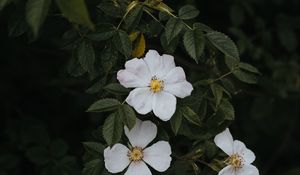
x=42, y=106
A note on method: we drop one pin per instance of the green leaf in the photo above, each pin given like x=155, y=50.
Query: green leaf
x=249, y=68
x=217, y=91
x=227, y=109
x=94, y=147
x=231, y=62
x=190, y=115
x=176, y=121
x=74, y=67
x=109, y=57
x=102, y=33
x=188, y=12
x=38, y=155
x=173, y=28
x=93, y=167
x=96, y=87
x=126, y=113
x=36, y=12
x=223, y=43
x=134, y=16
x=202, y=27
x=169, y=47
x=116, y=88
x=76, y=12
x=193, y=41
x=112, y=129
x=58, y=148
x=244, y=76
x=122, y=43
x=103, y=105
x=86, y=55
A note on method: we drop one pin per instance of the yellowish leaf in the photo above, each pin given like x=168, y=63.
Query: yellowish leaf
x=139, y=47
x=133, y=36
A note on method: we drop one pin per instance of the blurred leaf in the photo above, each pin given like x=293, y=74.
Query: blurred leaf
x=75, y=11
x=4, y=3
x=140, y=46
x=193, y=41
x=122, y=42
x=59, y=148
x=188, y=12
x=191, y=116
x=36, y=12
x=127, y=115
x=38, y=155
x=9, y=161
x=173, y=28
x=93, y=147
x=17, y=25
x=176, y=121
x=237, y=15
x=86, y=55
x=112, y=129
x=96, y=87
x=103, y=105
x=223, y=43
x=288, y=39
x=116, y=88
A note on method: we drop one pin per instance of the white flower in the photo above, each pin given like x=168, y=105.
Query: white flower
x=240, y=157
x=157, y=81
x=157, y=156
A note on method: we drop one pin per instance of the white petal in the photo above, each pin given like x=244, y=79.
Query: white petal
x=136, y=74
x=130, y=80
x=228, y=170
x=240, y=148
x=138, y=168
x=176, y=75
x=164, y=105
x=115, y=158
x=158, y=156
x=141, y=100
x=142, y=133
x=247, y=170
x=159, y=65
x=224, y=141
x=181, y=90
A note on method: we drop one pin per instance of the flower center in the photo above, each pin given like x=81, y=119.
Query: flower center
x=135, y=154
x=156, y=85
x=235, y=160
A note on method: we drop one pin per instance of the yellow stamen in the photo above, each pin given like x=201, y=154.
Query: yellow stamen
x=235, y=160
x=135, y=154
x=156, y=85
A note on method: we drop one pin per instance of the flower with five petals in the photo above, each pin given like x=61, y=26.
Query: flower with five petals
x=157, y=81
x=240, y=157
x=118, y=157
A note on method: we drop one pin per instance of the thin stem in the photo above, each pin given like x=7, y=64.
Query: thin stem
x=224, y=75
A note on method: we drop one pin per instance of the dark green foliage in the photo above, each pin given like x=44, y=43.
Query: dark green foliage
x=61, y=57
